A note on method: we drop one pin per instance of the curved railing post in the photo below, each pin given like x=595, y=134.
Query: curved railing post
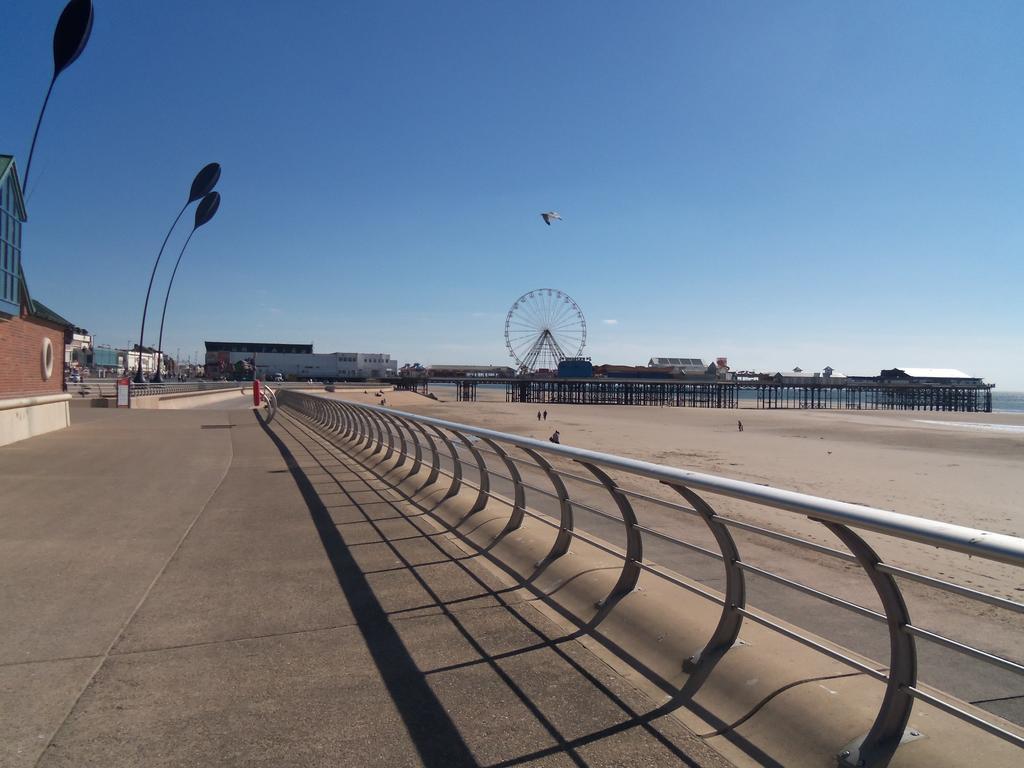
x=881, y=741
x=565, y=524
x=365, y=432
x=485, y=477
x=270, y=399
x=350, y=422
x=339, y=419
x=515, y=520
x=456, y=463
x=699, y=665
x=417, y=458
x=435, y=459
x=385, y=423
x=383, y=434
x=343, y=421
x=634, y=541
x=346, y=420
x=402, y=446
x=332, y=416
x=376, y=432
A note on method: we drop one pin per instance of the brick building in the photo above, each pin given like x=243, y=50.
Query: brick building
x=32, y=336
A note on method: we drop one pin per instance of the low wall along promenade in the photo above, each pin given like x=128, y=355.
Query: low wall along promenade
x=25, y=417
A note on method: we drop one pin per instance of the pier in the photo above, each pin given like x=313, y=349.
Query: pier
x=618, y=392
x=876, y=397
x=873, y=395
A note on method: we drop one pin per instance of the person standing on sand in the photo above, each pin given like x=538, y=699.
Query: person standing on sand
x=739, y=425
x=545, y=415
x=538, y=415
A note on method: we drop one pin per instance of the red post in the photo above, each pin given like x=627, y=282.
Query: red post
x=256, y=393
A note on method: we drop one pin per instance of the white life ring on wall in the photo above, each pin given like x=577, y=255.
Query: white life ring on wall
x=47, y=358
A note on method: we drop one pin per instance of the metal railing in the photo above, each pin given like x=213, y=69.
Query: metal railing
x=108, y=387
x=434, y=445
x=169, y=388
x=269, y=398
x=94, y=388
x=147, y=389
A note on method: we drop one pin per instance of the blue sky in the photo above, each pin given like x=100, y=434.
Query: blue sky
x=793, y=183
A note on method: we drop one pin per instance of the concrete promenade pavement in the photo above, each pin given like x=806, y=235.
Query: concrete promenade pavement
x=194, y=588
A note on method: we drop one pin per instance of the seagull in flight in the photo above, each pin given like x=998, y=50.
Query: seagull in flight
x=549, y=216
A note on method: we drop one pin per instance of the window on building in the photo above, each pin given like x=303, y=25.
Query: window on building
x=10, y=250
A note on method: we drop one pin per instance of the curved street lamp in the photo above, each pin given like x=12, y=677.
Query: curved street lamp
x=202, y=185
x=205, y=211
x=69, y=39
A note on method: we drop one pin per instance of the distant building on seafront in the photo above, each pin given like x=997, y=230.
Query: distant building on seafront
x=610, y=371
x=297, y=361
x=575, y=368
x=223, y=356
x=799, y=376
x=686, y=368
x=471, y=371
x=949, y=376
x=105, y=361
x=692, y=366
x=77, y=349
x=129, y=360
x=329, y=365
x=32, y=336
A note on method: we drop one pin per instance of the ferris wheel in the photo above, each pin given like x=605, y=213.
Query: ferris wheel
x=543, y=328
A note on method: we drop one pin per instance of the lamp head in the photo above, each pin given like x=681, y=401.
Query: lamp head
x=204, y=182
x=207, y=208
x=71, y=34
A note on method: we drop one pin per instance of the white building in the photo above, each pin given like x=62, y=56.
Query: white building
x=129, y=358
x=331, y=365
x=76, y=351
x=692, y=366
x=799, y=376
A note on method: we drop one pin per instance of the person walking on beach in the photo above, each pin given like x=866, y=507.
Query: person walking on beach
x=739, y=425
x=554, y=437
x=545, y=415
x=538, y=415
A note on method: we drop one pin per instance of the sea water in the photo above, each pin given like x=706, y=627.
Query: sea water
x=1007, y=402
